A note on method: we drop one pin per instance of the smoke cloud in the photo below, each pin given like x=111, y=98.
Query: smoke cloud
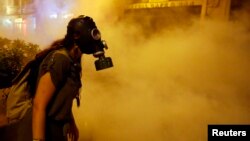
x=168, y=82
x=171, y=77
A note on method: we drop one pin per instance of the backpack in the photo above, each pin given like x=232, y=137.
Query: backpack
x=19, y=99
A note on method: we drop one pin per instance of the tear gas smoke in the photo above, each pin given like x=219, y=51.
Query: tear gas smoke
x=166, y=86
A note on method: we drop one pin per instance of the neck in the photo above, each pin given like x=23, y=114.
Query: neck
x=75, y=53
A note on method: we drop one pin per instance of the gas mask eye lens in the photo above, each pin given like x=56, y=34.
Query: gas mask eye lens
x=96, y=34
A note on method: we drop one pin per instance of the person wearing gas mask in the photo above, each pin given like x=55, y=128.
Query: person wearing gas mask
x=58, y=80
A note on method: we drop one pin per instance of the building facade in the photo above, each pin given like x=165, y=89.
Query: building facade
x=17, y=16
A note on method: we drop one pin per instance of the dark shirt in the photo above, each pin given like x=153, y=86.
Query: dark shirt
x=65, y=75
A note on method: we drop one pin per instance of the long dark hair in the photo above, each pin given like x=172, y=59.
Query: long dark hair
x=67, y=42
x=34, y=64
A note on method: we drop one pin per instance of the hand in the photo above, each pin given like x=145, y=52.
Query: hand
x=72, y=132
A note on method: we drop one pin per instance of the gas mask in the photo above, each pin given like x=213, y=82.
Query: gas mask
x=88, y=38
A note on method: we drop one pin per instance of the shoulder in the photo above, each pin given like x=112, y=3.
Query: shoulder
x=56, y=62
x=58, y=65
x=58, y=57
x=62, y=55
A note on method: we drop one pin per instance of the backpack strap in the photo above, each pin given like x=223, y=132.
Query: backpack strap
x=65, y=53
x=22, y=73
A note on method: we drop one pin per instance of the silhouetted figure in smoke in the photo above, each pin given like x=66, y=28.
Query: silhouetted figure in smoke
x=57, y=72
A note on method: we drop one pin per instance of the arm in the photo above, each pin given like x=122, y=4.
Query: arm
x=42, y=97
x=73, y=132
